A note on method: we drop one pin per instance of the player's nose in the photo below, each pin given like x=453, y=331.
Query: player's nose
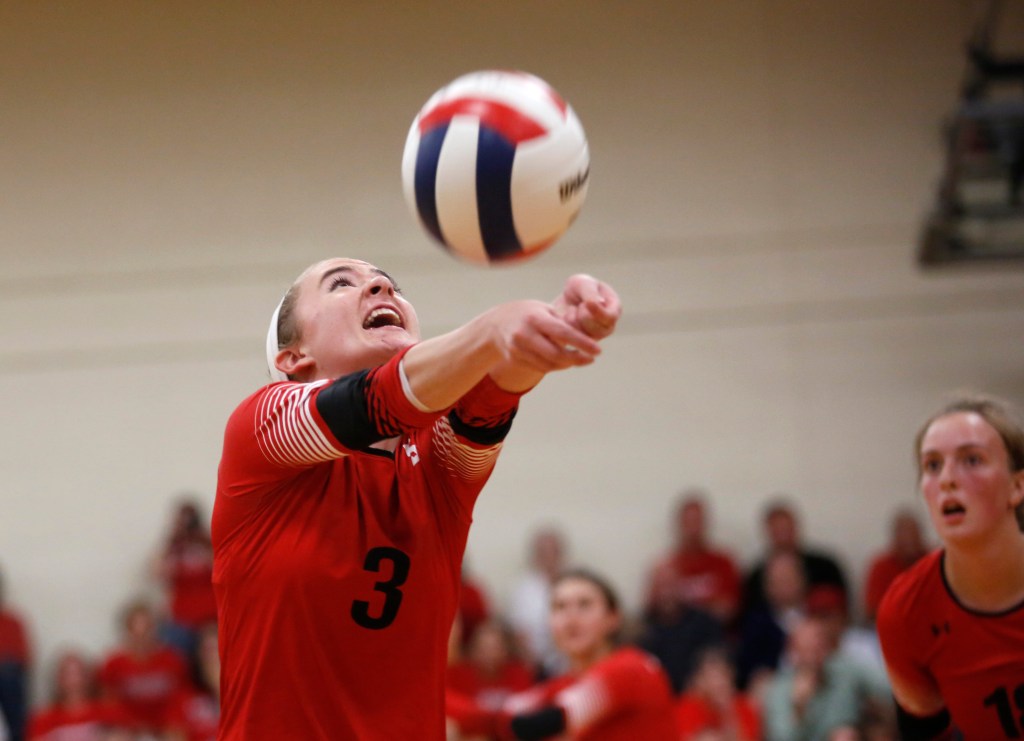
x=379, y=284
x=947, y=477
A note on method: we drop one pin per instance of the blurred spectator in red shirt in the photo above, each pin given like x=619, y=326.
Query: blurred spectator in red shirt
x=75, y=711
x=906, y=546
x=15, y=668
x=474, y=607
x=195, y=711
x=705, y=577
x=186, y=568
x=490, y=672
x=711, y=708
x=143, y=674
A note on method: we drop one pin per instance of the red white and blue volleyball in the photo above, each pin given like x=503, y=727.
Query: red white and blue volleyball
x=496, y=166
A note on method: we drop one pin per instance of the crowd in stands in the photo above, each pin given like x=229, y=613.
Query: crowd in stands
x=781, y=650
x=160, y=682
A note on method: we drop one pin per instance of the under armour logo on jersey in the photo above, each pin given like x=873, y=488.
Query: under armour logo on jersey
x=412, y=452
x=937, y=630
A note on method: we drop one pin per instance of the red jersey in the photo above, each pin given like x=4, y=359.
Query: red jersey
x=191, y=582
x=624, y=697
x=473, y=609
x=13, y=641
x=194, y=715
x=91, y=722
x=144, y=687
x=883, y=570
x=975, y=660
x=465, y=678
x=696, y=716
x=337, y=565
x=705, y=579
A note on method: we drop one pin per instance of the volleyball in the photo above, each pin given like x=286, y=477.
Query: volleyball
x=496, y=166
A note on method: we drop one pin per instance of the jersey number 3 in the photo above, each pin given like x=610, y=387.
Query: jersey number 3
x=400, y=563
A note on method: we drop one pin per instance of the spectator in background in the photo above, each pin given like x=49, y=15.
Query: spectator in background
x=674, y=632
x=530, y=604
x=490, y=671
x=15, y=669
x=474, y=607
x=859, y=647
x=75, y=712
x=186, y=568
x=195, y=711
x=465, y=719
x=764, y=632
x=610, y=692
x=906, y=547
x=782, y=532
x=818, y=696
x=711, y=708
x=853, y=643
x=705, y=577
x=143, y=674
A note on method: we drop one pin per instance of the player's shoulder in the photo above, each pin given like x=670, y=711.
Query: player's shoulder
x=912, y=588
x=634, y=660
x=276, y=393
x=632, y=672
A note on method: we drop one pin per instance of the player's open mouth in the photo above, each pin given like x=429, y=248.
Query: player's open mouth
x=951, y=509
x=383, y=316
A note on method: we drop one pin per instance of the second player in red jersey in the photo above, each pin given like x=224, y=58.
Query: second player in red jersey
x=346, y=492
x=952, y=626
x=610, y=693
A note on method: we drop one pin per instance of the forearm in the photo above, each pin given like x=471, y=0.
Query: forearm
x=442, y=369
x=515, y=377
x=517, y=342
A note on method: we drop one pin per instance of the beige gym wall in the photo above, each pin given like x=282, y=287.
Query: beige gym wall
x=761, y=169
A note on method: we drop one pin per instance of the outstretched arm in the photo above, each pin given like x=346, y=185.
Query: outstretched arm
x=517, y=343
x=586, y=304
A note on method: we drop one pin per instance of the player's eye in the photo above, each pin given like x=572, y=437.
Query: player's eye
x=972, y=459
x=340, y=280
x=931, y=465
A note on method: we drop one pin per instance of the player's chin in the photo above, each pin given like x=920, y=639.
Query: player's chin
x=390, y=343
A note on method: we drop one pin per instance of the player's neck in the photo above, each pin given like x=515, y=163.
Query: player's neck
x=581, y=662
x=989, y=577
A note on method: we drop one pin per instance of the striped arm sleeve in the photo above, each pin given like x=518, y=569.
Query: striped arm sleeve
x=287, y=429
x=585, y=703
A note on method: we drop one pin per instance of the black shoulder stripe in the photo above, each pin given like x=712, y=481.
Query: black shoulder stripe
x=344, y=408
x=480, y=435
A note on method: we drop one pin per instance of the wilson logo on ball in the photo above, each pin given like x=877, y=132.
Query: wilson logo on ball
x=496, y=166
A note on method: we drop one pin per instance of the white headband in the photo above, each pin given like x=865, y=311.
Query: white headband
x=272, y=347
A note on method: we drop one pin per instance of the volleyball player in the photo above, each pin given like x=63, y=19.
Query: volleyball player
x=346, y=492
x=611, y=692
x=952, y=626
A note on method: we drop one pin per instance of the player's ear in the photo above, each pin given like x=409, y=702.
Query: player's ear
x=293, y=362
x=1017, y=495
